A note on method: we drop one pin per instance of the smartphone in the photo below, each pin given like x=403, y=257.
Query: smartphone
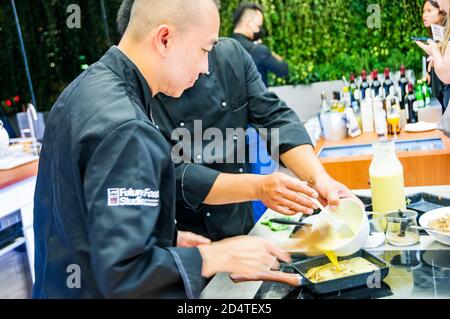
x=423, y=39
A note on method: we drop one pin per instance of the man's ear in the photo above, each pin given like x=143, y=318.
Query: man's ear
x=163, y=39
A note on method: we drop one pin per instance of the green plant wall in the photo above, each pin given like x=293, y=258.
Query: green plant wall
x=322, y=40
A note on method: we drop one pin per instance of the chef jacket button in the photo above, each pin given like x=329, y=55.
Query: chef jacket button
x=157, y=127
x=198, y=156
x=182, y=124
x=241, y=170
x=208, y=73
x=208, y=214
x=235, y=137
x=175, y=221
x=224, y=104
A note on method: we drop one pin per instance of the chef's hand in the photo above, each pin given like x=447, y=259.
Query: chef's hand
x=188, y=239
x=330, y=191
x=243, y=255
x=432, y=48
x=279, y=192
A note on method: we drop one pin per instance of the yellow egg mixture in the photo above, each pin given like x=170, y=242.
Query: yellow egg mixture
x=346, y=268
x=333, y=241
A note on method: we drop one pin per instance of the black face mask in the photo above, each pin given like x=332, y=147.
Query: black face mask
x=260, y=34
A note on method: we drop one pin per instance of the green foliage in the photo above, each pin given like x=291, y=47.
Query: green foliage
x=322, y=40
x=55, y=52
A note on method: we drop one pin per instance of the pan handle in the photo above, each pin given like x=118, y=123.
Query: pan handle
x=294, y=280
x=287, y=222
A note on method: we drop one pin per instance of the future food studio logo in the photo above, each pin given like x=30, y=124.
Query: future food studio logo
x=132, y=197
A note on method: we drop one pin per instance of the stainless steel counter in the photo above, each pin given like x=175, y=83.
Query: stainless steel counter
x=221, y=286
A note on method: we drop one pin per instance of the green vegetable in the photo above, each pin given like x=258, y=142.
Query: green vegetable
x=275, y=226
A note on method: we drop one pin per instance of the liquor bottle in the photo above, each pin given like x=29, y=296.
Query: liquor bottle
x=336, y=105
x=411, y=105
x=324, y=107
x=403, y=113
x=346, y=99
x=367, y=116
x=393, y=113
x=376, y=85
x=402, y=84
x=426, y=93
x=364, y=84
x=379, y=115
x=420, y=98
x=387, y=82
x=353, y=87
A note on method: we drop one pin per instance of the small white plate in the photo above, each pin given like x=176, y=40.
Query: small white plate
x=420, y=127
x=425, y=219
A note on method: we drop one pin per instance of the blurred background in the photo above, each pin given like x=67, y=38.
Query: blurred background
x=321, y=40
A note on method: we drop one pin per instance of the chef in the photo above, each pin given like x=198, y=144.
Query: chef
x=104, y=215
x=214, y=193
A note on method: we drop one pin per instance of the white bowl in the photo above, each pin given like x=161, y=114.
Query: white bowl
x=425, y=219
x=351, y=212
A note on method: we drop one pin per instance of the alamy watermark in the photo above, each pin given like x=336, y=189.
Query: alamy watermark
x=215, y=145
x=374, y=280
x=374, y=20
x=74, y=19
x=73, y=280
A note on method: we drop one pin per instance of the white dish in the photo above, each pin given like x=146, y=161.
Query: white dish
x=373, y=241
x=425, y=219
x=420, y=127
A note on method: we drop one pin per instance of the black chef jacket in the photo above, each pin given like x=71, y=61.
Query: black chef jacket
x=231, y=95
x=105, y=195
x=263, y=58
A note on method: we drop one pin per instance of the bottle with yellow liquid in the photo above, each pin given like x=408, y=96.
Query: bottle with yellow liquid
x=386, y=180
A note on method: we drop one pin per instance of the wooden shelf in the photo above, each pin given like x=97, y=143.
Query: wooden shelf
x=421, y=168
x=18, y=174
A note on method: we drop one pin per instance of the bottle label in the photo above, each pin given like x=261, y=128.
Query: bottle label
x=357, y=94
x=415, y=106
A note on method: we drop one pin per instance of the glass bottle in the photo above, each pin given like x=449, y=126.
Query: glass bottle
x=386, y=179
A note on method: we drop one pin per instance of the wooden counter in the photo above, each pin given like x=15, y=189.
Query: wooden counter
x=18, y=174
x=421, y=168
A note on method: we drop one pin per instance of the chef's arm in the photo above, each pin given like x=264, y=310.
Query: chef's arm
x=198, y=184
x=277, y=191
x=302, y=161
x=126, y=251
x=234, y=188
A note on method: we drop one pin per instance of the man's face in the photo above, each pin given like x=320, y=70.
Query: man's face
x=256, y=22
x=188, y=57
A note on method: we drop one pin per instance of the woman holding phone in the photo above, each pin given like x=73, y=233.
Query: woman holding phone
x=434, y=15
x=440, y=59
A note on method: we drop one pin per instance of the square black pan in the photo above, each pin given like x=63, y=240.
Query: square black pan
x=330, y=286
